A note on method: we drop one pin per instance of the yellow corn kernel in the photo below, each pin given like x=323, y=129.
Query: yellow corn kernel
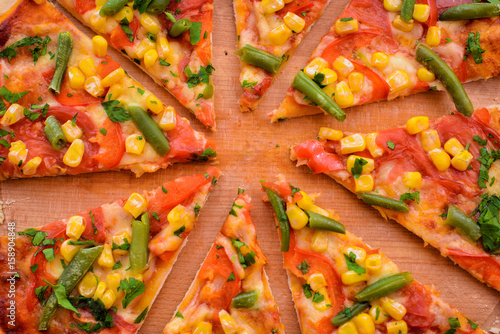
x=358, y=251
x=319, y=241
x=346, y=27
x=179, y=216
x=330, y=76
x=379, y=60
x=399, y=24
x=364, y=324
x=364, y=183
x=99, y=291
x=97, y=21
x=76, y=77
x=343, y=95
x=325, y=304
x=154, y=104
x=330, y=134
x=163, y=47
x=398, y=80
x=280, y=34
x=135, y=205
x=71, y=132
x=74, y=154
x=12, y=115
x=113, y=77
x=87, y=285
x=17, y=153
x=440, y=158
x=106, y=259
x=75, y=227
x=298, y=218
x=356, y=81
x=433, y=37
x=373, y=263
x=124, y=13
x=229, y=326
x=350, y=277
x=121, y=239
x=113, y=281
x=412, y=180
x=144, y=46
x=138, y=277
x=87, y=66
x=108, y=298
x=135, y=144
x=316, y=281
x=417, y=124
x=421, y=12
x=371, y=144
x=99, y=46
x=453, y=147
x=348, y=328
x=93, y=86
x=271, y=6
x=367, y=168
x=343, y=66
x=462, y=160
x=168, y=119
x=150, y=58
x=430, y=140
x=315, y=66
x=397, y=327
x=393, y=5
x=203, y=328
x=320, y=211
x=149, y=23
x=31, y=166
x=305, y=203
x=378, y=314
x=424, y=74
x=396, y=310
x=352, y=143
x=294, y=22
x=114, y=92
x=68, y=251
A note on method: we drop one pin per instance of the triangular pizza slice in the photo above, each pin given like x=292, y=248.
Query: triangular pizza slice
x=269, y=31
x=170, y=40
x=67, y=107
x=369, y=54
x=231, y=292
x=341, y=285
x=439, y=179
x=101, y=269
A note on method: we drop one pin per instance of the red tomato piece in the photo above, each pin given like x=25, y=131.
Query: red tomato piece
x=319, y=161
x=282, y=190
x=94, y=225
x=418, y=303
x=380, y=87
x=433, y=16
x=112, y=144
x=184, y=146
x=107, y=66
x=296, y=7
x=345, y=46
x=75, y=97
x=83, y=6
x=205, y=114
x=482, y=115
x=119, y=39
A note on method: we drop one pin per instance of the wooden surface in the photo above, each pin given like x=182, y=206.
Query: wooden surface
x=250, y=148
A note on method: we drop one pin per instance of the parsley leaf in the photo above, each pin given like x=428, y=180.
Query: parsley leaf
x=352, y=265
x=179, y=231
x=141, y=316
x=39, y=50
x=357, y=168
x=489, y=222
x=294, y=190
x=246, y=84
x=62, y=297
x=40, y=294
x=472, y=46
x=124, y=24
x=391, y=145
x=203, y=75
x=472, y=324
x=32, y=116
x=480, y=140
x=155, y=216
x=116, y=114
x=163, y=62
x=346, y=19
x=179, y=315
x=308, y=292
x=205, y=155
x=195, y=33
x=124, y=246
x=117, y=265
x=411, y=196
x=197, y=208
x=303, y=267
x=49, y=254
x=231, y=277
x=132, y=288
x=11, y=97
x=319, y=78
x=486, y=159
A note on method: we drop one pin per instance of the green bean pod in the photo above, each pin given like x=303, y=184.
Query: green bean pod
x=69, y=278
x=470, y=11
x=54, y=133
x=208, y=92
x=262, y=59
x=111, y=7
x=245, y=299
x=448, y=78
x=407, y=10
x=356, y=309
x=157, y=6
x=384, y=202
x=149, y=129
x=458, y=219
x=279, y=211
x=321, y=222
x=310, y=89
x=64, y=48
x=384, y=287
x=180, y=27
x=138, y=253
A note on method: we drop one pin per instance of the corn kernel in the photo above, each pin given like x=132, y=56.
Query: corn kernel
x=396, y=310
x=305, y=203
x=108, y=298
x=76, y=78
x=114, y=92
x=113, y=77
x=88, y=285
x=124, y=13
x=378, y=314
x=99, y=46
x=97, y=21
x=17, y=153
x=113, y=281
x=453, y=147
x=379, y=60
x=68, y=251
x=440, y=158
x=398, y=80
x=271, y=6
x=412, y=180
x=330, y=134
x=135, y=144
x=144, y=46
x=280, y=34
x=316, y=281
x=106, y=259
x=343, y=66
x=75, y=227
x=320, y=211
x=371, y=144
x=373, y=263
x=462, y=160
x=430, y=140
x=294, y=22
x=149, y=23
x=367, y=168
x=12, y=115
x=87, y=66
x=297, y=218
x=364, y=183
x=229, y=326
x=346, y=27
x=393, y=5
x=135, y=205
x=356, y=81
x=350, y=277
x=203, y=328
x=330, y=76
x=325, y=304
x=348, y=328
x=399, y=24
x=421, y=12
x=433, y=37
x=74, y=154
x=168, y=119
x=358, y=251
x=150, y=58
x=352, y=143
x=397, y=327
x=71, y=132
x=163, y=47
x=121, y=239
x=154, y=104
x=99, y=291
x=424, y=74
x=93, y=86
x=343, y=95
x=31, y=166
x=417, y=124
x=319, y=241
x=364, y=324
x=315, y=66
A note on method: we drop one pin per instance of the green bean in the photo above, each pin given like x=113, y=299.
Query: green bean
x=444, y=73
x=157, y=6
x=356, y=309
x=111, y=7
x=384, y=202
x=64, y=48
x=180, y=27
x=69, y=278
x=208, y=92
x=138, y=253
x=54, y=133
x=470, y=11
x=262, y=59
x=321, y=222
x=407, y=10
x=279, y=211
x=310, y=89
x=458, y=219
x=384, y=287
x=245, y=299
x=149, y=129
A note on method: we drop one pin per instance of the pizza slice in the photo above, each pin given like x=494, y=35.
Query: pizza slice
x=439, y=179
x=231, y=292
x=67, y=107
x=341, y=285
x=170, y=40
x=370, y=54
x=100, y=270
x=269, y=31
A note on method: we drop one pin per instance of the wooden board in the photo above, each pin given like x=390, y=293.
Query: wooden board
x=250, y=148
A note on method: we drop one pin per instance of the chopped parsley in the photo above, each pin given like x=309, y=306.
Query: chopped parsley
x=480, y=140
x=473, y=325
x=32, y=116
x=155, y=216
x=294, y=190
x=103, y=131
x=163, y=62
x=303, y=267
x=117, y=265
x=125, y=246
x=43, y=109
x=115, y=113
x=310, y=293
x=205, y=155
x=319, y=78
x=357, y=168
x=391, y=145
x=165, y=191
x=132, y=288
x=197, y=208
x=140, y=91
x=410, y=196
x=489, y=222
x=62, y=297
x=203, y=75
x=249, y=258
x=304, y=13
x=39, y=50
x=352, y=265
x=472, y=46
x=346, y=19
x=195, y=32
x=232, y=211
x=141, y=316
x=151, y=37
x=97, y=309
x=246, y=84
x=231, y=278
x=179, y=315
x=40, y=294
x=124, y=24
x=49, y=254
x=454, y=323
x=486, y=159
x=448, y=40
x=179, y=231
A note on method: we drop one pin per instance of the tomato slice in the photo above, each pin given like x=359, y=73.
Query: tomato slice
x=107, y=66
x=119, y=39
x=380, y=87
x=111, y=145
x=433, y=16
x=345, y=46
x=482, y=115
x=418, y=303
x=75, y=97
x=83, y=6
x=185, y=145
x=282, y=190
x=482, y=265
x=318, y=160
x=94, y=225
x=296, y=7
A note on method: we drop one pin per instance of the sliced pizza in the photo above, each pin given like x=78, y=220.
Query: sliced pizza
x=100, y=270
x=341, y=285
x=269, y=31
x=231, y=292
x=170, y=40
x=439, y=179
x=372, y=53
x=67, y=107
